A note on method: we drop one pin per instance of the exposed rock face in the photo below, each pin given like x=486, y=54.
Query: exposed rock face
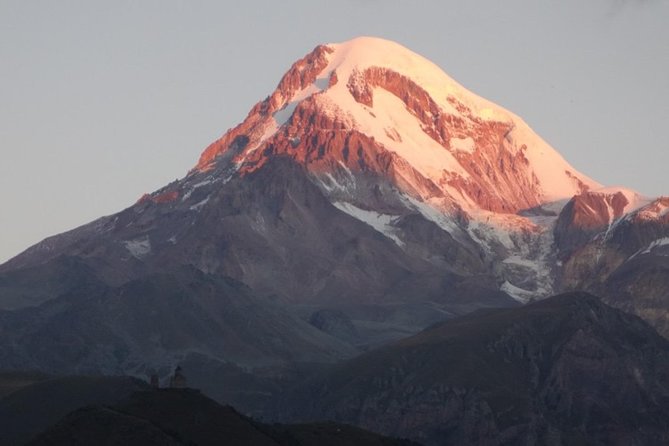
x=621, y=257
x=565, y=370
x=302, y=74
x=585, y=216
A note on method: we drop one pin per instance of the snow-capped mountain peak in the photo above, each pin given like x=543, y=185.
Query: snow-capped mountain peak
x=371, y=105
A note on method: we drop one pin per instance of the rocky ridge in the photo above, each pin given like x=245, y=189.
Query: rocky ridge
x=566, y=370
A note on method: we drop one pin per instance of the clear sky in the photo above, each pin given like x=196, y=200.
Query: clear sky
x=103, y=101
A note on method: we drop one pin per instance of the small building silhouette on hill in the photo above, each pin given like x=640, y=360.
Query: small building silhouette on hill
x=178, y=380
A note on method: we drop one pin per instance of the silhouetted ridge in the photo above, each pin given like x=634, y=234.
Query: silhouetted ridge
x=186, y=417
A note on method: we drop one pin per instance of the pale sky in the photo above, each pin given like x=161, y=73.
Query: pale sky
x=101, y=102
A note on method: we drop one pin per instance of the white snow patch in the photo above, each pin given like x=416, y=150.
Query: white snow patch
x=329, y=183
x=346, y=169
x=207, y=181
x=526, y=250
x=199, y=205
x=517, y=260
x=660, y=242
x=524, y=245
x=433, y=214
x=203, y=183
x=380, y=222
x=611, y=217
x=332, y=183
x=139, y=248
x=488, y=228
x=655, y=244
x=270, y=128
x=521, y=295
x=463, y=144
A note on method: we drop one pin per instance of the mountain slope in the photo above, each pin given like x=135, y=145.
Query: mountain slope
x=152, y=324
x=566, y=370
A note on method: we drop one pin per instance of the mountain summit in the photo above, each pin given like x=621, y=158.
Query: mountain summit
x=371, y=106
x=367, y=198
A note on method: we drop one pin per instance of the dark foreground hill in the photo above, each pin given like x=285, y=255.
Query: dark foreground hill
x=186, y=417
x=11, y=381
x=564, y=371
x=34, y=407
